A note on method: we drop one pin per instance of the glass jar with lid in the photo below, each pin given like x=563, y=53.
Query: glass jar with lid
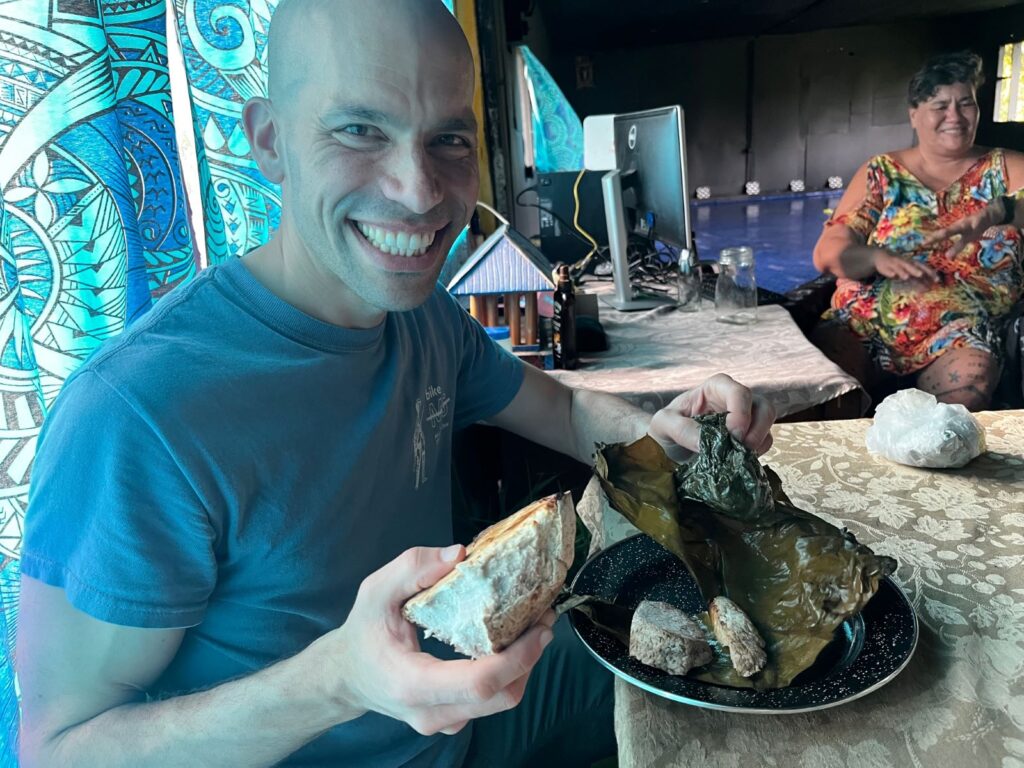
x=736, y=287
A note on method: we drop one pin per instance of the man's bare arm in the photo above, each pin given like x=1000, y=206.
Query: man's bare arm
x=81, y=681
x=845, y=253
x=572, y=421
x=568, y=420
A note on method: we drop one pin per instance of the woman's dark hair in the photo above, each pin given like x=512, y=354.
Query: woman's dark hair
x=945, y=69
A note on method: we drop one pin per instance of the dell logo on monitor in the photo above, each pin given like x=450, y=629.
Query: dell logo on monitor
x=632, y=137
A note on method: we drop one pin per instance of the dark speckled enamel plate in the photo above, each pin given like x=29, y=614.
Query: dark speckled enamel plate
x=868, y=651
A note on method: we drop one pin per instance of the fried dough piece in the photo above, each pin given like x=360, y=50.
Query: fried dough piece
x=734, y=631
x=663, y=636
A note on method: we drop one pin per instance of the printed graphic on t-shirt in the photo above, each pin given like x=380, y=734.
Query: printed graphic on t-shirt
x=434, y=408
x=419, y=447
x=439, y=407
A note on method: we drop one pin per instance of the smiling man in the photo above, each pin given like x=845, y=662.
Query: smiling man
x=232, y=501
x=370, y=131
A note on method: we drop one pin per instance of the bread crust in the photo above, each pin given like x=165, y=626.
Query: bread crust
x=512, y=573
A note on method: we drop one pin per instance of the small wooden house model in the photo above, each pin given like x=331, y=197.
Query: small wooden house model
x=509, y=270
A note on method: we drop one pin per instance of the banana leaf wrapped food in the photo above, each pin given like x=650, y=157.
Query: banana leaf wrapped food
x=797, y=577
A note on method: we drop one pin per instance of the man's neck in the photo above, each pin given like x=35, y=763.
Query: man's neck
x=287, y=270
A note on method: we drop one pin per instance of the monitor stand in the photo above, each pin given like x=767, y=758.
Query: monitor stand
x=626, y=298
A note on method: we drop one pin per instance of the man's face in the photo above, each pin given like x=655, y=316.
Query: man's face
x=380, y=151
x=948, y=120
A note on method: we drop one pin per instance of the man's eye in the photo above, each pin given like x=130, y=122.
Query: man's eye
x=453, y=140
x=359, y=130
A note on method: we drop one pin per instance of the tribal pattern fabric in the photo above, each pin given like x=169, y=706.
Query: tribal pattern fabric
x=93, y=221
x=94, y=224
x=224, y=44
x=557, y=129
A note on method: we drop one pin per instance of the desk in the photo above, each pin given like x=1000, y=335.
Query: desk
x=959, y=538
x=656, y=355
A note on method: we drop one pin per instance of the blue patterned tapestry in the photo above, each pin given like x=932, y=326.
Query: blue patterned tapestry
x=93, y=225
x=224, y=44
x=557, y=129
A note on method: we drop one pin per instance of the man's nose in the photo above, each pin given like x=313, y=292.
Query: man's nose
x=412, y=180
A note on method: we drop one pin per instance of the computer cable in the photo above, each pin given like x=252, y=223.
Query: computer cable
x=568, y=227
x=644, y=263
x=575, y=270
x=580, y=266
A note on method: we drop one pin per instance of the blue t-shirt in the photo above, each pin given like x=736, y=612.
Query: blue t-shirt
x=234, y=466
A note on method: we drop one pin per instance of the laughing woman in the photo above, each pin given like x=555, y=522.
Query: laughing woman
x=926, y=244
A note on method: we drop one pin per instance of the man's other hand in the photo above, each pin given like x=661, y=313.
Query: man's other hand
x=749, y=418
x=374, y=663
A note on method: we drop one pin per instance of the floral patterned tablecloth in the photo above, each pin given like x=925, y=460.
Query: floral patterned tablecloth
x=959, y=538
x=657, y=354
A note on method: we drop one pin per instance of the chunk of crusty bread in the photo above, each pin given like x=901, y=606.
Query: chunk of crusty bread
x=512, y=573
x=664, y=637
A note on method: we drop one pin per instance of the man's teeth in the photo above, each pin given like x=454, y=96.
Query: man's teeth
x=396, y=243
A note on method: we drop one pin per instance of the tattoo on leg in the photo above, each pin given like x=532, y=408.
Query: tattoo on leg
x=954, y=378
x=968, y=395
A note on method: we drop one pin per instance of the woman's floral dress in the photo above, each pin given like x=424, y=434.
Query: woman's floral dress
x=907, y=327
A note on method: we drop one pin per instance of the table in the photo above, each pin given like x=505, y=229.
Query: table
x=959, y=538
x=657, y=354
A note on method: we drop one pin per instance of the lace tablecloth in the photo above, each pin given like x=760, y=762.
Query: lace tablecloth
x=655, y=355
x=959, y=538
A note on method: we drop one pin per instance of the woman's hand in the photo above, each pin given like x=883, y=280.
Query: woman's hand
x=860, y=262
x=969, y=229
x=899, y=268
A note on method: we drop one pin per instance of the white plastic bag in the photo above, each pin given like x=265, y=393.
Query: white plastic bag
x=912, y=427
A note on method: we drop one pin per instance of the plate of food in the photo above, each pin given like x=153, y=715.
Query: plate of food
x=866, y=652
x=732, y=597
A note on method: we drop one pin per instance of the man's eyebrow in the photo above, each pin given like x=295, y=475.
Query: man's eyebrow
x=358, y=112
x=378, y=117
x=458, y=124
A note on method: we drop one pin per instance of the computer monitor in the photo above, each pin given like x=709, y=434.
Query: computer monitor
x=650, y=155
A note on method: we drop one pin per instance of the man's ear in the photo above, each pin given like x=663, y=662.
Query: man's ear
x=264, y=136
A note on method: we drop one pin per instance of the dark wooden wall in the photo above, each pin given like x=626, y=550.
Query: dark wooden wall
x=780, y=107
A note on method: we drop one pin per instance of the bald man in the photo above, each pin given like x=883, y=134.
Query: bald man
x=232, y=501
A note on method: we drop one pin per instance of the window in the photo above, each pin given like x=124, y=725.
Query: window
x=1010, y=85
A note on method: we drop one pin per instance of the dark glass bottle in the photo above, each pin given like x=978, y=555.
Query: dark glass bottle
x=563, y=324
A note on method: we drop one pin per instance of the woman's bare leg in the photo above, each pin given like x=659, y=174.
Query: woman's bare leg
x=966, y=375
